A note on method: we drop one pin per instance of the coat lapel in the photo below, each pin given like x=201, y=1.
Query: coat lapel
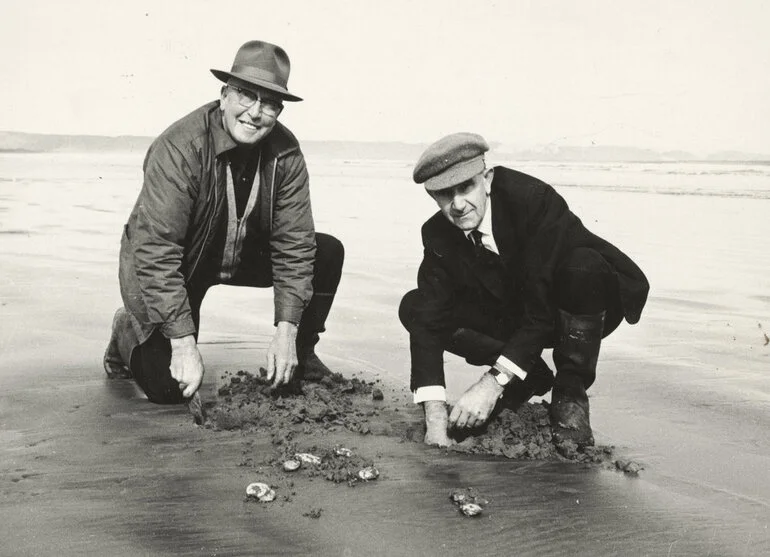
x=504, y=231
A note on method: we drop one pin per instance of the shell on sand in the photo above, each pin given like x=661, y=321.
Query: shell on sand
x=260, y=491
x=291, y=465
x=458, y=496
x=342, y=451
x=307, y=458
x=470, y=509
x=368, y=473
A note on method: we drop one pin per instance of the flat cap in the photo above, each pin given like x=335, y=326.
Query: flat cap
x=450, y=161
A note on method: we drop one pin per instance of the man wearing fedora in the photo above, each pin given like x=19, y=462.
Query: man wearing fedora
x=225, y=200
x=507, y=271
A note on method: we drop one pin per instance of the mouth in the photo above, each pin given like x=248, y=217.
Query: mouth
x=248, y=125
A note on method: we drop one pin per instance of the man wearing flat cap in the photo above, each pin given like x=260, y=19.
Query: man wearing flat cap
x=507, y=271
x=225, y=200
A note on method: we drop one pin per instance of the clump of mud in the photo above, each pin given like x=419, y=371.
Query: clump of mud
x=526, y=435
x=248, y=401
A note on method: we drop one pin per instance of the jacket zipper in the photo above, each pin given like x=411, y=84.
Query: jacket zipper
x=208, y=225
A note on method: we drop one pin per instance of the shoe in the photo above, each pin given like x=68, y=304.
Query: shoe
x=114, y=365
x=569, y=413
x=575, y=356
x=311, y=368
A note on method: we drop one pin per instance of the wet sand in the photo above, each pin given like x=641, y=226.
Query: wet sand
x=87, y=466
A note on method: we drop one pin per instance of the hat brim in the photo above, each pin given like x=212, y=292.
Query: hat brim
x=456, y=174
x=284, y=93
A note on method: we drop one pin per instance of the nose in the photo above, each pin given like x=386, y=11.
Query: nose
x=458, y=202
x=255, y=110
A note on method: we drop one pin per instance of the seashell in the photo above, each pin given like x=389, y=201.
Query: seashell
x=342, y=451
x=368, y=473
x=458, y=496
x=260, y=491
x=307, y=458
x=291, y=465
x=470, y=509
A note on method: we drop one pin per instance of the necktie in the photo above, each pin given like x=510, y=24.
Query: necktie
x=478, y=247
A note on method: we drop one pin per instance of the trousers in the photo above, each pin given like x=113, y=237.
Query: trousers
x=584, y=284
x=150, y=361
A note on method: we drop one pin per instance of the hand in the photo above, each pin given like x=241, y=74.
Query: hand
x=436, y=423
x=186, y=364
x=476, y=404
x=282, y=354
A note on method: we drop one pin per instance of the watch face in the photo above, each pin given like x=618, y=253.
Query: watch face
x=500, y=377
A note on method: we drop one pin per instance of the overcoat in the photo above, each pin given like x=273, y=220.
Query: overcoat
x=534, y=230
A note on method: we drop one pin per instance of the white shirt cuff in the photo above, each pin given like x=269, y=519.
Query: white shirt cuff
x=431, y=392
x=504, y=364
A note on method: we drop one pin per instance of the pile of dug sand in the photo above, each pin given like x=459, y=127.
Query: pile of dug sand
x=526, y=434
x=247, y=401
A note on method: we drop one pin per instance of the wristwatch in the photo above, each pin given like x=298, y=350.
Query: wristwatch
x=501, y=377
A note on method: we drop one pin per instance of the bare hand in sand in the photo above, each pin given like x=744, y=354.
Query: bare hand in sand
x=436, y=423
x=476, y=404
x=186, y=364
x=282, y=354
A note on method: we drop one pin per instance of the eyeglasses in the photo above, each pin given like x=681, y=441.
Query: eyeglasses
x=247, y=99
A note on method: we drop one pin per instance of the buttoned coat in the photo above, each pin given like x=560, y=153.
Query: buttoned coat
x=534, y=230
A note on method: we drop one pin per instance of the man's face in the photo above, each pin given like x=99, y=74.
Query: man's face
x=248, y=116
x=464, y=205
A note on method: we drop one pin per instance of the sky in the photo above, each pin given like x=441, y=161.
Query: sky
x=665, y=75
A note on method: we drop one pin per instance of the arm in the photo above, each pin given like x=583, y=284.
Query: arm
x=292, y=248
x=431, y=310
x=160, y=225
x=551, y=230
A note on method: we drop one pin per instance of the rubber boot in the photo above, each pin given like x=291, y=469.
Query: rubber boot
x=480, y=349
x=313, y=322
x=575, y=356
x=117, y=356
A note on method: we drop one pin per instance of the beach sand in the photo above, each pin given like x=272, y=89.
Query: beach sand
x=89, y=467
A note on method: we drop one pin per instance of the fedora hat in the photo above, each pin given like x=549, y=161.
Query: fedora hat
x=262, y=64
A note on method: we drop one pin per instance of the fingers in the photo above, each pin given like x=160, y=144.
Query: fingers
x=270, y=365
x=284, y=371
x=189, y=390
x=461, y=418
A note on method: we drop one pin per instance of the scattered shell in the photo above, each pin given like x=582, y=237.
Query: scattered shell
x=368, y=473
x=307, y=458
x=342, y=451
x=260, y=491
x=628, y=467
x=458, y=496
x=291, y=465
x=470, y=509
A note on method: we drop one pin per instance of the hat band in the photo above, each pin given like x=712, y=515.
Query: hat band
x=259, y=73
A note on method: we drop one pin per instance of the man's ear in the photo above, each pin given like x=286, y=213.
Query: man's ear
x=222, y=94
x=489, y=175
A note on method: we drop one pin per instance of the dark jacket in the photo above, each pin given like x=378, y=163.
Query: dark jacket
x=534, y=230
x=169, y=235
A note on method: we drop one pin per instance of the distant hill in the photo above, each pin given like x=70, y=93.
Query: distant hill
x=44, y=143
x=19, y=142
